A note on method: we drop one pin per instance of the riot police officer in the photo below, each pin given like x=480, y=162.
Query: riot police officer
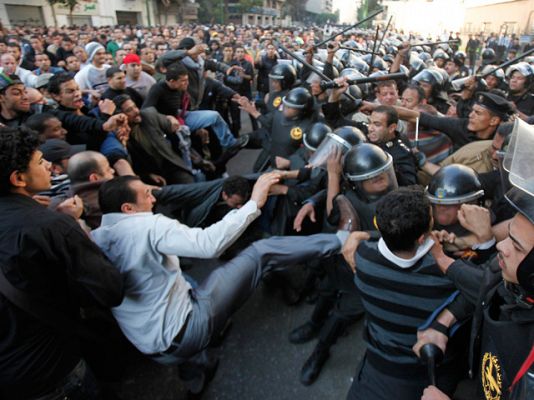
x=282, y=131
x=521, y=77
x=452, y=186
x=500, y=296
x=432, y=82
x=281, y=79
x=368, y=175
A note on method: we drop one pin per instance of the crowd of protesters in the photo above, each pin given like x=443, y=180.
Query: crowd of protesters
x=392, y=171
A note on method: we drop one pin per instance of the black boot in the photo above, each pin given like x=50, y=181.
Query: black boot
x=304, y=333
x=313, y=365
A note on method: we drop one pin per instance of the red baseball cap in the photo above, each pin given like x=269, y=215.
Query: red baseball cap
x=131, y=59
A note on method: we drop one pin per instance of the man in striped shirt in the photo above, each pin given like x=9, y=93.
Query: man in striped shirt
x=400, y=286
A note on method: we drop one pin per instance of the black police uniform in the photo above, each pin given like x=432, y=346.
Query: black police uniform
x=275, y=100
x=403, y=160
x=502, y=331
x=524, y=103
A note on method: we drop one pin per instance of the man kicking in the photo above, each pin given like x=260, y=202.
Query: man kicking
x=162, y=315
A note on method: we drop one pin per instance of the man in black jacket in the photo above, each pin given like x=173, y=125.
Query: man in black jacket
x=49, y=261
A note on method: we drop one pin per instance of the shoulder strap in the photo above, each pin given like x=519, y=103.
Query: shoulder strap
x=524, y=368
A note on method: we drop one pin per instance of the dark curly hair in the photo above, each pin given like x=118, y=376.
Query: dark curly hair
x=17, y=146
x=403, y=216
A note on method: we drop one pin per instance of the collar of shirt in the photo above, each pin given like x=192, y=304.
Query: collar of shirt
x=404, y=262
x=113, y=218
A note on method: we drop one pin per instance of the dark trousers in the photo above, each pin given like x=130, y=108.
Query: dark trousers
x=79, y=384
x=228, y=287
x=371, y=383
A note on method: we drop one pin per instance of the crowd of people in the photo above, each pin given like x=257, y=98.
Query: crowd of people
x=397, y=173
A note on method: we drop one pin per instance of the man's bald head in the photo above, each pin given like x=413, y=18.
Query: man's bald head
x=89, y=166
x=35, y=96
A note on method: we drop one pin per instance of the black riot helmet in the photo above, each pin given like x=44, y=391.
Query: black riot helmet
x=454, y=184
x=284, y=73
x=488, y=56
x=379, y=64
x=416, y=65
x=313, y=138
x=431, y=76
x=459, y=58
x=523, y=202
x=369, y=170
x=342, y=139
x=347, y=105
x=425, y=56
x=300, y=99
x=440, y=54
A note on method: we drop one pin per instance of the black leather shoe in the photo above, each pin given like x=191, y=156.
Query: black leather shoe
x=313, y=365
x=348, y=217
x=303, y=333
x=197, y=392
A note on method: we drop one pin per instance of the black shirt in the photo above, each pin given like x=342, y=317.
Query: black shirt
x=134, y=94
x=47, y=255
x=164, y=99
x=454, y=128
x=524, y=103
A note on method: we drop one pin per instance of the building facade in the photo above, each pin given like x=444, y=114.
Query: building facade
x=320, y=6
x=499, y=16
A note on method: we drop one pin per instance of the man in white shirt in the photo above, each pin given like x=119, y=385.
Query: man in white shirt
x=93, y=75
x=162, y=315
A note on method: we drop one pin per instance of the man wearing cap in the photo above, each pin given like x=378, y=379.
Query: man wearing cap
x=488, y=111
x=13, y=99
x=57, y=152
x=136, y=78
x=117, y=86
x=93, y=75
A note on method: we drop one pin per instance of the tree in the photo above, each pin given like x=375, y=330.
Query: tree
x=71, y=5
x=52, y=4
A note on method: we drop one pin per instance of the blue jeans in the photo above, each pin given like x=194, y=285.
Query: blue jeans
x=211, y=119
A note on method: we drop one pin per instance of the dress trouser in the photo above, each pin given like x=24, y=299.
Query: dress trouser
x=228, y=287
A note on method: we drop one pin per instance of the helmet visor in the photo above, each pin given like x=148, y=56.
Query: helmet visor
x=326, y=148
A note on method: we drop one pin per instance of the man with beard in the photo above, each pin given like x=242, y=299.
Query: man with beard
x=152, y=154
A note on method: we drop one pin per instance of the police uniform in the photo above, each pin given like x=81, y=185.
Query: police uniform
x=403, y=161
x=502, y=330
x=274, y=100
x=524, y=103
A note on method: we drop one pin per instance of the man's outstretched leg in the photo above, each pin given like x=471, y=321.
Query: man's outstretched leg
x=229, y=286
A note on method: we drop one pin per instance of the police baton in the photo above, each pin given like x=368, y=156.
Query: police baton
x=329, y=84
x=312, y=67
x=357, y=50
x=434, y=43
x=508, y=63
x=349, y=28
x=431, y=355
